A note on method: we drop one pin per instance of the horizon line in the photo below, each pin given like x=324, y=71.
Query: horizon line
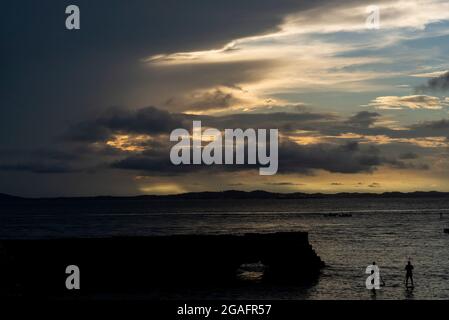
x=226, y=191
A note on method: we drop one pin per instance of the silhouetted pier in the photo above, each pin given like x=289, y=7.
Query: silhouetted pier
x=135, y=264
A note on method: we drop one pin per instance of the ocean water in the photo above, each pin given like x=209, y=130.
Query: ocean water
x=348, y=234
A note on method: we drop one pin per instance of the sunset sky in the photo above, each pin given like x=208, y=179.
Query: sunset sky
x=89, y=111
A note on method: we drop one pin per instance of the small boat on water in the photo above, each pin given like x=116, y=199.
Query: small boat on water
x=345, y=215
x=342, y=215
x=331, y=214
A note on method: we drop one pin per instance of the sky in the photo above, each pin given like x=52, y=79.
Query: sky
x=90, y=111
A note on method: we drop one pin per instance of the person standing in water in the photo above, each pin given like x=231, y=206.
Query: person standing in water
x=409, y=273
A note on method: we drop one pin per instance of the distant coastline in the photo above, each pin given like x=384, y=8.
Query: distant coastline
x=235, y=194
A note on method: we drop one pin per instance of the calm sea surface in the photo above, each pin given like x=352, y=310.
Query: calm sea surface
x=388, y=231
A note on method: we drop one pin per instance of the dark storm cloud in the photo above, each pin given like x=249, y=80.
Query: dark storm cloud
x=214, y=100
x=62, y=75
x=293, y=158
x=185, y=84
x=55, y=76
x=148, y=120
x=332, y=155
x=284, y=121
x=363, y=119
x=329, y=154
x=363, y=123
x=87, y=132
x=438, y=125
x=430, y=129
x=144, y=27
x=440, y=83
x=171, y=25
x=347, y=158
x=153, y=121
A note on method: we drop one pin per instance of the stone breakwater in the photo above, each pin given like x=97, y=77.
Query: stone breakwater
x=139, y=264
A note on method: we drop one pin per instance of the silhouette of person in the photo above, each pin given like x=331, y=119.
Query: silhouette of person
x=409, y=273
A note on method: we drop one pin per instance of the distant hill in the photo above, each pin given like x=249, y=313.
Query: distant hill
x=231, y=194
x=7, y=197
